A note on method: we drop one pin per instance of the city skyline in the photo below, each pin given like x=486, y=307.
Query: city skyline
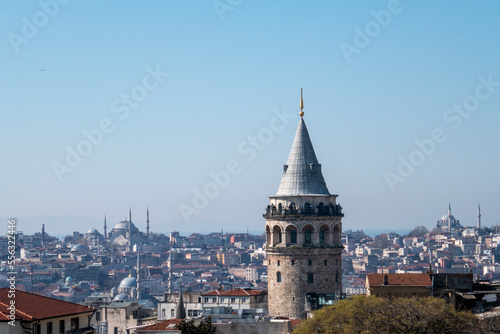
x=168, y=100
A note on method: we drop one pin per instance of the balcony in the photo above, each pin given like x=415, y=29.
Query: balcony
x=331, y=210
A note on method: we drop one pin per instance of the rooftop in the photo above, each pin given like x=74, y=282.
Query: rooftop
x=399, y=279
x=31, y=307
x=302, y=173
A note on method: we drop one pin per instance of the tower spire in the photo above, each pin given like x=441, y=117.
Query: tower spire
x=43, y=234
x=302, y=172
x=138, y=271
x=449, y=209
x=478, y=217
x=301, y=104
x=129, y=228
x=105, y=229
x=147, y=224
x=180, y=312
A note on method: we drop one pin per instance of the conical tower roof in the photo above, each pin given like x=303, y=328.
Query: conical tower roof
x=180, y=313
x=302, y=173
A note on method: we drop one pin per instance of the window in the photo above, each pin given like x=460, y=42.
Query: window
x=193, y=313
x=115, y=331
x=268, y=262
x=206, y=300
x=233, y=300
x=309, y=262
x=337, y=276
x=62, y=327
x=279, y=237
x=310, y=278
x=163, y=313
x=293, y=236
x=278, y=277
x=325, y=262
x=321, y=236
x=293, y=262
x=172, y=313
x=222, y=299
x=75, y=323
x=37, y=329
x=214, y=300
x=307, y=236
x=244, y=300
x=278, y=263
x=49, y=327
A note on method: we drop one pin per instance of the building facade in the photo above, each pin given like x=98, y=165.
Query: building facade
x=303, y=236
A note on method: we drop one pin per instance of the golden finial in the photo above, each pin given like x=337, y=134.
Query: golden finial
x=301, y=104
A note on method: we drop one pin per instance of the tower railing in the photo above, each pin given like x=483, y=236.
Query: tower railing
x=331, y=210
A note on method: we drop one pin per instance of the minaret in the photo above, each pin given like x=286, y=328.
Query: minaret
x=138, y=278
x=449, y=219
x=478, y=217
x=43, y=234
x=303, y=235
x=170, y=275
x=129, y=229
x=105, y=229
x=147, y=225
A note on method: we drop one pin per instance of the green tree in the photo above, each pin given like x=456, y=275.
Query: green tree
x=418, y=231
x=366, y=314
x=204, y=327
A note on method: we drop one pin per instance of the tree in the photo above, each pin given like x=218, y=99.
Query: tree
x=204, y=327
x=367, y=314
x=381, y=241
x=418, y=231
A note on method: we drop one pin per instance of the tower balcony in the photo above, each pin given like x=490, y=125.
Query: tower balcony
x=332, y=210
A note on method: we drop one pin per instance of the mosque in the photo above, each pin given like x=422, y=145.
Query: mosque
x=448, y=222
x=122, y=237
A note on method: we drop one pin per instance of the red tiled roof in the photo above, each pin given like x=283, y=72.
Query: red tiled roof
x=295, y=322
x=399, y=279
x=235, y=292
x=162, y=326
x=31, y=307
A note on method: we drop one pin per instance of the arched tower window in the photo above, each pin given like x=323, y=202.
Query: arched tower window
x=336, y=234
x=323, y=234
x=278, y=277
x=308, y=236
x=292, y=208
x=307, y=207
x=268, y=236
x=280, y=208
x=276, y=235
x=291, y=235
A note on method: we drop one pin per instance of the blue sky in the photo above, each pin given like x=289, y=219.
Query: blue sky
x=232, y=67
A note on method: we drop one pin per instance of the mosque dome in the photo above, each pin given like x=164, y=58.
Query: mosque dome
x=450, y=216
x=79, y=248
x=124, y=224
x=69, y=279
x=92, y=231
x=121, y=297
x=128, y=283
